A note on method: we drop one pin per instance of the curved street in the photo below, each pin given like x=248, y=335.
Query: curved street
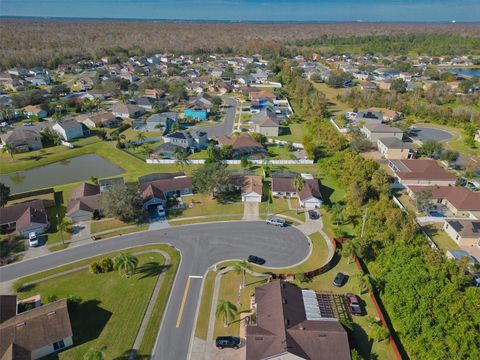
x=201, y=246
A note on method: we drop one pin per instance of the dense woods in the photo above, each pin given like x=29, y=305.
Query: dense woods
x=27, y=42
x=434, y=312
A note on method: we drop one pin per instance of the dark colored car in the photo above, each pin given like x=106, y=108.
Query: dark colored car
x=339, y=279
x=313, y=215
x=227, y=342
x=353, y=304
x=256, y=260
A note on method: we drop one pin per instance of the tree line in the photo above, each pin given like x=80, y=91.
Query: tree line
x=433, y=310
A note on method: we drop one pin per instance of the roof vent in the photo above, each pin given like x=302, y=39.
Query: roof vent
x=20, y=325
x=301, y=327
x=258, y=338
x=52, y=313
x=322, y=335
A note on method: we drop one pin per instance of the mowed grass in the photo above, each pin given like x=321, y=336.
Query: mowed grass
x=279, y=206
x=331, y=95
x=111, y=308
x=201, y=328
x=229, y=290
x=204, y=205
x=439, y=236
x=107, y=224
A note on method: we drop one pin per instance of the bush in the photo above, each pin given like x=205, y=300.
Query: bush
x=51, y=298
x=95, y=268
x=106, y=265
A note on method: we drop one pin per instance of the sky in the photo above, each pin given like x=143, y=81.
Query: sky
x=252, y=10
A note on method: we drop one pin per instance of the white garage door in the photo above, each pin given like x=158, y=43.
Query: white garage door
x=252, y=198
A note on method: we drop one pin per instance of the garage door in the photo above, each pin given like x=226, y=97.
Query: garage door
x=252, y=199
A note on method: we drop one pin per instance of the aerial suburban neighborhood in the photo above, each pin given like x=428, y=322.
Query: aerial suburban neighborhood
x=295, y=196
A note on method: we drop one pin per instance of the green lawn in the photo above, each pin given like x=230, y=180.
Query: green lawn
x=201, y=328
x=107, y=224
x=112, y=307
x=204, y=205
x=279, y=207
x=279, y=152
x=205, y=220
x=293, y=132
x=113, y=233
x=440, y=237
x=331, y=95
x=229, y=290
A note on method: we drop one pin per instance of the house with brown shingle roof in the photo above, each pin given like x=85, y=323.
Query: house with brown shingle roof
x=243, y=146
x=290, y=326
x=250, y=186
x=459, y=200
x=84, y=201
x=24, y=217
x=157, y=192
x=422, y=172
x=22, y=139
x=463, y=232
x=35, y=333
x=107, y=120
x=309, y=197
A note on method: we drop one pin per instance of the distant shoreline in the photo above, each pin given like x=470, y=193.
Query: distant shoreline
x=259, y=22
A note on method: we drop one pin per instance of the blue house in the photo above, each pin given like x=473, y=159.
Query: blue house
x=196, y=112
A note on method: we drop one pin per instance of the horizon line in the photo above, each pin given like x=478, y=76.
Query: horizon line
x=179, y=20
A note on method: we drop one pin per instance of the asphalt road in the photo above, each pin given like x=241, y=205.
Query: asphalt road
x=226, y=127
x=201, y=246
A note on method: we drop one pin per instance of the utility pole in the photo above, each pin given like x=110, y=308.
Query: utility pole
x=364, y=219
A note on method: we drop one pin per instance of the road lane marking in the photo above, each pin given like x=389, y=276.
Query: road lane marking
x=184, y=300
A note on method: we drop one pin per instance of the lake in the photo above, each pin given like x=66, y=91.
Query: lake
x=464, y=71
x=63, y=172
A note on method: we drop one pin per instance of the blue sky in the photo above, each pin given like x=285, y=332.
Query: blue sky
x=254, y=10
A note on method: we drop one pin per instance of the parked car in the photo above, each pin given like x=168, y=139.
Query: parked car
x=339, y=279
x=160, y=211
x=256, y=260
x=33, y=239
x=28, y=124
x=476, y=280
x=227, y=342
x=353, y=304
x=276, y=221
x=313, y=215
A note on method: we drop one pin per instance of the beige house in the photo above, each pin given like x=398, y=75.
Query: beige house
x=419, y=172
x=388, y=115
x=374, y=132
x=251, y=187
x=477, y=135
x=266, y=122
x=22, y=139
x=394, y=148
x=463, y=232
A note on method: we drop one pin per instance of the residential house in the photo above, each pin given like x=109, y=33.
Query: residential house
x=106, y=120
x=290, y=325
x=261, y=99
x=460, y=201
x=40, y=80
x=369, y=117
x=388, y=115
x=309, y=196
x=368, y=85
x=463, y=232
x=35, y=333
x=157, y=192
x=148, y=103
x=243, y=146
x=70, y=129
x=126, y=111
x=265, y=122
x=84, y=201
x=394, y=148
x=199, y=107
x=85, y=83
x=190, y=140
x=422, y=172
x=154, y=93
x=35, y=110
x=24, y=217
x=373, y=132
x=161, y=122
x=250, y=186
x=22, y=140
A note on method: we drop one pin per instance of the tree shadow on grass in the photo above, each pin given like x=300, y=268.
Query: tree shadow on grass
x=359, y=340
x=326, y=193
x=88, y=320
x=151, y=269
x=126, y=355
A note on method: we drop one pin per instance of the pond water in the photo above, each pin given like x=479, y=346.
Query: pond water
x=464, y=71
x=63, y=172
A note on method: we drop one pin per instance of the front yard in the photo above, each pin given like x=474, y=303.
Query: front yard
x=111, y=307
x=204, y=205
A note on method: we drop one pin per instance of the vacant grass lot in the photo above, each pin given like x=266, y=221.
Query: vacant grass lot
x=107, y=224
x=111, y=308
x=204, y=205
x=331, y=94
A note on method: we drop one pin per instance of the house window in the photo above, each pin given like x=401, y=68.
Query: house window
x=58, y=345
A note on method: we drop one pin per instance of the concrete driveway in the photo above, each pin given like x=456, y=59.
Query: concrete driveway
x=201, y=246
x=251, y=211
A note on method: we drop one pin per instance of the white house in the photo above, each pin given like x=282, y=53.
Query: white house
x=70, y=129
x=463, y=232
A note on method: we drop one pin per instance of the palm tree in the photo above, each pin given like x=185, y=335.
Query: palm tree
x=242, y=267
x=63, y=226
x=181, y=157
x=125, y=264
x=226, y=310
x=337, y=212
x=141, y=137
x=298, y=185
x=147, y=150
x=9, y=148
x=365, y=283
x=349, y=248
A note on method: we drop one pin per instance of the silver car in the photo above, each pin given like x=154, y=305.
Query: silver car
x=276, y=221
